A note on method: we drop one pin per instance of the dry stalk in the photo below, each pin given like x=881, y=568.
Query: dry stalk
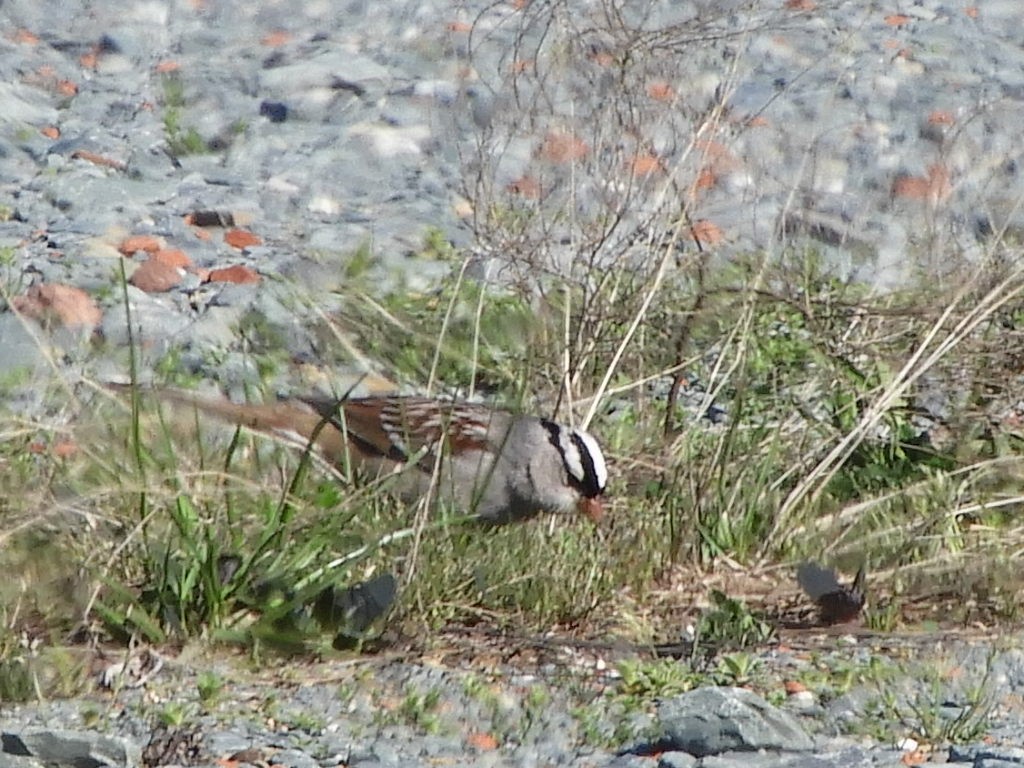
x=931, y=349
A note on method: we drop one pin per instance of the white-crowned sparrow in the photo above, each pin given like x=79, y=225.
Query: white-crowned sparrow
x=503, y=467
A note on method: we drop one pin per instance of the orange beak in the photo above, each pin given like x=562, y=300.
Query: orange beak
x=592, y=508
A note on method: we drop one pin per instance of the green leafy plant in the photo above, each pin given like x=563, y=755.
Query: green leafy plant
x=655, y=679
x=728, y=623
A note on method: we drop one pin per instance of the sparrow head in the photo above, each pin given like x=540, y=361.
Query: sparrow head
x=585, y=467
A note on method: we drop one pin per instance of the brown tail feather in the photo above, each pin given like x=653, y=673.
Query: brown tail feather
x=291, y=421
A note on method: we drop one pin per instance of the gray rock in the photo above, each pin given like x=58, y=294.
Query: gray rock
x=631, y=761
x=979, y=753
x=20, y=352
x=764, y=760
x=294, y=758
x=16, y=761
x=76, y=748
x=676, y=760
x=709, y=721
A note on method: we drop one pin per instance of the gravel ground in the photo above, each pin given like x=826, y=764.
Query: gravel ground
x=888, y=137
x=568, y=709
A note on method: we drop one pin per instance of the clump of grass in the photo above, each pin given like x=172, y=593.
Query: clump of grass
x=181, y=139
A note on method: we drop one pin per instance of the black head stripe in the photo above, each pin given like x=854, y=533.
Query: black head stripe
x=554, y=433
x=568, y=440
x=590, y=486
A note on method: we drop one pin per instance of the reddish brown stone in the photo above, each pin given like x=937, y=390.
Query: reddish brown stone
x=148, y=243
x=706, y=179
x=659, y=90
x=64, y=449
x=527, y=186
x=933, y=188
x=707, y=232
x=562, y=148
x=173, y=257
x=941, y=117
x=239, y=273
x=646, y=164
x=97, y=159
x=156, y=276
x=482, y=741
x=25, y=37
x=90, y=59
x=241, y=238
x=276, y=39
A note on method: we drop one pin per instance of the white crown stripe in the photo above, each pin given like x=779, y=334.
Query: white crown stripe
x=596, y=457
x=571, y=456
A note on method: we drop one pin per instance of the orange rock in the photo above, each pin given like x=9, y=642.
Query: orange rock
x=241, y=238
x=25, y=37
x=644, y=165
x=148, y=243
x=238, y=273
x=896, y=19
x=50, y=132
x=913, y=187
x=156, y=276
x=172, y=257
x=706, y=179
x=562, y=148
x=794, y=686
x=71, y=306
x=801, y=5
x=167, y=65
x=706, y=232
x=941, y=117
x=276, y=39
x=527, y=186
x=659, y=90
x=63, y=449
x=96, y=159
x=485, y=742
x=66, y=88
x=934, y=188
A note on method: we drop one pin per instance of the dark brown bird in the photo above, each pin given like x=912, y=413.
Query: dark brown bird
x=837, y=604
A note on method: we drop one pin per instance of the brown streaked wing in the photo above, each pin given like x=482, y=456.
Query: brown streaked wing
x=416, y=424
x=359, y=421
